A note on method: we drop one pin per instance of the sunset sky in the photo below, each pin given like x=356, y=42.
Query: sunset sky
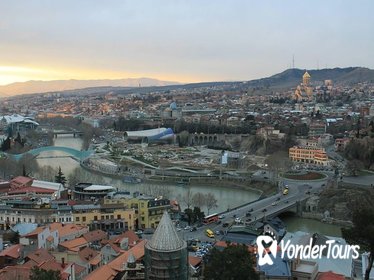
x=186, y=41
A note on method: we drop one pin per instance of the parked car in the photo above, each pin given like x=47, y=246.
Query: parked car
x=225, y=224
x=221, y=216
x=248, y=214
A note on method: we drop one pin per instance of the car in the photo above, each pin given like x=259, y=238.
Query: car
x=179, y=229
x=139, y=231
x=193, y=229
x=274, y=203
x=237, y=220
x=225, y=224
x=266, y=177
x=278, y=198
x=221, y=216
x=218, y=222
x=323, y=185
x=218, y=232
x=250, y=210
x=187, y=228
x=286, y=201
x=265, y=210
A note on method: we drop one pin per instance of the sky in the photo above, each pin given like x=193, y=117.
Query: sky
x=185, y=41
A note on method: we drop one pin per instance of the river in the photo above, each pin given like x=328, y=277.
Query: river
x=226, y=197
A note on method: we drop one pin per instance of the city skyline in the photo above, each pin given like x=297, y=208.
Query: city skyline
x=180, y=41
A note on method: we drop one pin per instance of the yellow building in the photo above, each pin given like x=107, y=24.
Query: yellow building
x=106, y=217
x=308, y=154
x=148, y=210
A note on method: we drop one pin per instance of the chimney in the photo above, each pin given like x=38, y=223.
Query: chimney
x=63, y=262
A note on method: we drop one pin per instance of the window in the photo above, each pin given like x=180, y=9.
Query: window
x=102, y=217
x=112, y=217
x=77, y=219
x=95, y=218
x=83, y=219
x=118, y=216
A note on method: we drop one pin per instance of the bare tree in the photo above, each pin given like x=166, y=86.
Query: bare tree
x=187, y=198
x=210, y=201
x=277, y=162
x=46, y=173
x=157, y=191
x=198, y=200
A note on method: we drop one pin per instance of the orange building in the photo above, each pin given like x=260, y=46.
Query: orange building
x=307, y=154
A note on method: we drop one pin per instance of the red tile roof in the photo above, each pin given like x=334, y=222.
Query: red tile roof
x=39, y=256
x=95, y=235
x=329, y=276
x=20, y=181
x=103, y=273
x=13, y=252
x=21, y=190
x=110, y=270
x=15, y=272
x=75, y=244
x=194, y=261
x=133, y=238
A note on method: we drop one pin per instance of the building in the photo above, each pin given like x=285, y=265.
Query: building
x=108, y=217
x=148, y=210
x=306, y=154
x=316, y=129
x=88, y=191
x=17, y=123
x=166, y=255
x=341, y=143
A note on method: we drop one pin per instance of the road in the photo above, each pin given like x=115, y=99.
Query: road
x=297, y=191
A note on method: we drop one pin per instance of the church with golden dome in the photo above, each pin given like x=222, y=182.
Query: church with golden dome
x=304, y=92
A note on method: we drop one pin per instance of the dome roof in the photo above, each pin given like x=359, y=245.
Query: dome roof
x=165, y=237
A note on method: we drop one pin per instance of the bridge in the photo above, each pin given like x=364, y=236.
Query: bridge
x=76, y=154
x=262, y=209
x=65, y=132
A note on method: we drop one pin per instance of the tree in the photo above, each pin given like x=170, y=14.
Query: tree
x=353, y=166
x=210, y=201
x=198, y=215
x=198, y=200
x=60, y=177
x=187, y=198
x=362, y=233
x=234, y=262
x=42, y=274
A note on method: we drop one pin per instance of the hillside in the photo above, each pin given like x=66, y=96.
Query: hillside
x=292, y=77
x=63, y=85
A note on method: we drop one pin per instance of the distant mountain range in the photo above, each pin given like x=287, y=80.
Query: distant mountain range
x=292, y=77
x=62, y=85
x=286, y=79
